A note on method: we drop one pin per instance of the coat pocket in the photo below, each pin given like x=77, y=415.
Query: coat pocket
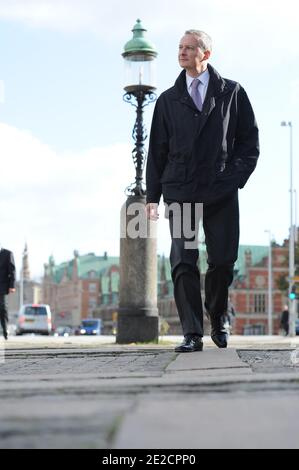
x=175, y=170
x=224, y=171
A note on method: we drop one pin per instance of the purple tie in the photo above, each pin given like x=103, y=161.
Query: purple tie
x=195, y=95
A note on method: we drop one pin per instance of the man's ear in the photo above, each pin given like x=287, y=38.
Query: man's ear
x=206, y=56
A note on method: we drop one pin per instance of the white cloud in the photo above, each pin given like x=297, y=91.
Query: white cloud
x=60, y=202
x=53, y=14
x=247, y=34
x=108, y=18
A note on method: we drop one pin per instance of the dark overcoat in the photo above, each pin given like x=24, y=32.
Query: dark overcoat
x=7, y=271
x=201, y=156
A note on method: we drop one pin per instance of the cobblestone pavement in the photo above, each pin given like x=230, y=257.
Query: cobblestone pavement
x=271, y=360
x=54, y=399
x=108, y=364
x=122, y=397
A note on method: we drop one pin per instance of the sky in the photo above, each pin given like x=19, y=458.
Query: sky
x=65, y=131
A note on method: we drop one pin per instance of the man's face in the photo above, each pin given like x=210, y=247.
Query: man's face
x=190, y=55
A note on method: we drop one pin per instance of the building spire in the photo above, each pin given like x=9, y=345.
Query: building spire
x=25, y=264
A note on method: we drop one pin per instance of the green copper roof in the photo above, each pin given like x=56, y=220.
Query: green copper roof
x=139, y=44
x=258, y=252
x=86, y=264
x=101, y=264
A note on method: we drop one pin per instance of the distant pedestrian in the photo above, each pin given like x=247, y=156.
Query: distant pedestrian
x=284, y=320
x=7, y=284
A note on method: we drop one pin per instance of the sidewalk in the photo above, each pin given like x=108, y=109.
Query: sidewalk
x=71, y=393
x=49, y=342
x=214, y=400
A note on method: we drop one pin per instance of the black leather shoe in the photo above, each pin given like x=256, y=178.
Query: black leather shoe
x=190, y=344
x=219, y=333
x=220, y=340
x=5, y=335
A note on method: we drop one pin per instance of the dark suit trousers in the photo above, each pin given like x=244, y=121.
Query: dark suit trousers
x=3, y=313
x=221, y=227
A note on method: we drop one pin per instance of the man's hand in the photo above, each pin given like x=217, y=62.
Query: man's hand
x=152, y=211
x=11, y=291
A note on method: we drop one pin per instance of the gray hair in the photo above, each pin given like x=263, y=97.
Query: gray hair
x=204, y=40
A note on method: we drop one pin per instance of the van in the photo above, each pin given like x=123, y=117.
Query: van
x=34, y=318
x=91, y=326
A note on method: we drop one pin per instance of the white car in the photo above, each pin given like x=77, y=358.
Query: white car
x=63, y=331
x=34, y=318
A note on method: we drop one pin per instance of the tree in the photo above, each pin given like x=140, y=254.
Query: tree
x=282, y=282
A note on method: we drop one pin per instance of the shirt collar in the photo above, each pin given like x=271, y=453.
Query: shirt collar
x=203, y=77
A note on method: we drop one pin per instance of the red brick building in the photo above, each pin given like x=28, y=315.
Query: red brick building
x=88, y=286
x=76, y=288
x=249, y=292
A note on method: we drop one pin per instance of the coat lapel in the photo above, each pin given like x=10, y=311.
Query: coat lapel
x=216, y=89
x=182, y=93
x=208, y=106
x=188, y=101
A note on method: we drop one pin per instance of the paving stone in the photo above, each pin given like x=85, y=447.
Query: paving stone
x=85, y=395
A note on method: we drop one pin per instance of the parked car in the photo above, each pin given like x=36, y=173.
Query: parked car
x=63, y=331
x=91, y=326
x=34, y=318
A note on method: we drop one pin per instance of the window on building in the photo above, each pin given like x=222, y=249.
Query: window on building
x=114, y=298
x=92, y=287
x=253, y=330
x=92, y=274
x=259, y=303
x=105, y=300
x=92, y=303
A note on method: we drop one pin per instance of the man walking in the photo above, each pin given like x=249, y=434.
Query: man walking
x=7, y=284
x=203, y=147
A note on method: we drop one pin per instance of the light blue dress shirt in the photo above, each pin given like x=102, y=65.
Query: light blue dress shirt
x=204, y=78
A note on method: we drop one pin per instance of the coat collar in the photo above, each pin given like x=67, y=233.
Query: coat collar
x=218, y=85
x=217, y=88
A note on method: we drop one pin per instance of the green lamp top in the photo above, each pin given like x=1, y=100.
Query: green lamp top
x=139, y=44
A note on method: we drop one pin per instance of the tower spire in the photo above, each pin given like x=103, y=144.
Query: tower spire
x=25, y=264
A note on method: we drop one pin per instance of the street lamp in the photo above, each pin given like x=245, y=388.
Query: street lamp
x=139, y=55
x=292, y=303
x=137, y=319
x=270, y=286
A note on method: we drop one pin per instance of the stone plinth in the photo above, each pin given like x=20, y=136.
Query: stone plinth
x=138, y=312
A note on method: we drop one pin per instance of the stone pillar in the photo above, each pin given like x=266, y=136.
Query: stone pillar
x=138, y=312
